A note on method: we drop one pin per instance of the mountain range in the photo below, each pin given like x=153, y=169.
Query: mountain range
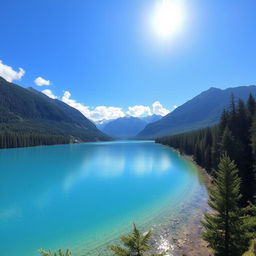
x=127, y=127
x=203, y=110
x=29, y=111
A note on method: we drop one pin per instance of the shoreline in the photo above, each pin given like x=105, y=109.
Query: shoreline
x=206, y=178
x=177, y=230
x=189, y=242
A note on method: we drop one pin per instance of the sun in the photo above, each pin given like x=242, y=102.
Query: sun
x=168, y=17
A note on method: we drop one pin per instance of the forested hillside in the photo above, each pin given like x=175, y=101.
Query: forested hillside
x=29, y=118
x=235, y=135
x=203, y=110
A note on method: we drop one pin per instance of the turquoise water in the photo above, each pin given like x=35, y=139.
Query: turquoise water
x=83, y=195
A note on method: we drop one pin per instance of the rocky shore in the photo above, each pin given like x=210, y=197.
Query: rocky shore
x=182, y=235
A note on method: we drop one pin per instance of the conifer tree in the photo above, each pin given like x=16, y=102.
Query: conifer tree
x=249, y=221
x=223, y=227
x=253, y=145
x=135, y=244
x=60, y=253
x=251, y=105
x=228, y=143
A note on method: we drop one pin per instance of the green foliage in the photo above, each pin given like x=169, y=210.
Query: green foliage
x=59, y=253
x=21, y=139
x=249, y=221
x=28, y=118
x=135, y=244
x=223, y=227
x=252, y=249
x=201, y=111
x=235, y=135
x=229, y=226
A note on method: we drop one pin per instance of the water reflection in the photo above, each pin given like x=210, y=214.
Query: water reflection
x=108, y=163
x=68, y=189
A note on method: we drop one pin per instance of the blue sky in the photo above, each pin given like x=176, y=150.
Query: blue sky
x=105, y=53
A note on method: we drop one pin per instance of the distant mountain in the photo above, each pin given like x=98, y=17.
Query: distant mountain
x=151, y=119
x=102, y=123
x=125, y=127
x=201, y=111
x=148, y=119
x=28, y=111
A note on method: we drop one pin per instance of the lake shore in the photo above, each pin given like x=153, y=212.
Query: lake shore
x=178, y=230
x=167, y=196
x=206, y=178
x=187, y=241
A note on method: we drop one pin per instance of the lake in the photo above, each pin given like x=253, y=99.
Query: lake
x=83, y=196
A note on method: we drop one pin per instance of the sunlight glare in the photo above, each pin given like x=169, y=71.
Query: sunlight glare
x=168, y=17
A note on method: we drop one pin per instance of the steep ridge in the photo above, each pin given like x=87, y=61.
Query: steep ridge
x=28, y=111
x=201, y=111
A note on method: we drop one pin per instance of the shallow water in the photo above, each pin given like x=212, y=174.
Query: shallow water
x=82, y=196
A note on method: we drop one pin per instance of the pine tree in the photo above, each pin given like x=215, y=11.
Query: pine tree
x=251, y=105
x=223, y=122
x=253, y=145
x=223, y=228
x=228, y=143
x=249, y=221
x=136, y=244
x=60, y=253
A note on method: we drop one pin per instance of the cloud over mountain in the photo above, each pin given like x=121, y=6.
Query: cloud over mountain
x=95, y=114
x=9, y=74
x=99, y=113
x=39, y=81
x=158, y=109
x=49, y=93
x=139, y=110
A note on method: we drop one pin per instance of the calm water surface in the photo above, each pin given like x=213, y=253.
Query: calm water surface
x=83, y=195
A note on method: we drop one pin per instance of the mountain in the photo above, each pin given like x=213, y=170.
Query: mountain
x=27, y=111
x=125, y=127
x=102, y=123
x=151, y=119
x=201, y=111
x=76, y=115
x=148, y=119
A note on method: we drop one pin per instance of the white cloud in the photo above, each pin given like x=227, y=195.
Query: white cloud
x=96, y=114
x=158, y=109
x=8, y=73
x=73, y=103
x=39, y=81
x=49, y=93
x=139, y=110
x=175, y=106
x=106, y=113
x=100, y=113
